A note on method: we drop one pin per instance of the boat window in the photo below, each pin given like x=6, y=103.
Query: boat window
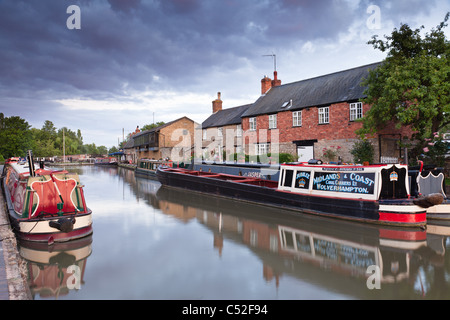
x=288, y=240
x=282, y=177
x=302, y=179
x=288, y=178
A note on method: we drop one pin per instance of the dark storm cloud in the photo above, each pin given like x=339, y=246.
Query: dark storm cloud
x=132, y=44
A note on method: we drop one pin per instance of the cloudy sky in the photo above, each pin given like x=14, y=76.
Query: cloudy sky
x=133, y=62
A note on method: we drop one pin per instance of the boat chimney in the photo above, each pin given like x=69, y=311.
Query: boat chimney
x=31, y=163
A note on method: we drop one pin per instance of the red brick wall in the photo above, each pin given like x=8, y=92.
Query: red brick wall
x=339, y=126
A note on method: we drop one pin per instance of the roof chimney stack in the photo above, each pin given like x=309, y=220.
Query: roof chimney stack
x=275, y=82
x=267, y=83
x=217, y=104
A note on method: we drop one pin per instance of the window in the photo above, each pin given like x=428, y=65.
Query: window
x=253, y=237
x=204, y=134
x=252, y=122
x=297, y=119
x=288, y=178
x=239, y=130
x=261, y=148
x=324, y=115
x=220, y=132
x=356, y=111
x=272, y=121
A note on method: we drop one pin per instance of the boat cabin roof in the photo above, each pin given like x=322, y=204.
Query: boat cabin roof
x=23, y=169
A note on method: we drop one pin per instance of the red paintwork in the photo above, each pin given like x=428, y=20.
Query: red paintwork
x=403, y=218
x=35, y=200
x=49, y=198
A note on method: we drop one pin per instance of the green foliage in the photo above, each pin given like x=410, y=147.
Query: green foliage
x=433, y=153
x=412, y=86
x=331, y=153
x=362, y=151
x=17, y=136
x=153, y=125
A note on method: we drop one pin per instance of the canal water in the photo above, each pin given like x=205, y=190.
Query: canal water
x=151, y=242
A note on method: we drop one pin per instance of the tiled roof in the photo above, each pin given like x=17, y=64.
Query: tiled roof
x=160, y=127
x=331, y=88
x=225, y=117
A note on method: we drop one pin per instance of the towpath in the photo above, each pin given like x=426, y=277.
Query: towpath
x=13, y=285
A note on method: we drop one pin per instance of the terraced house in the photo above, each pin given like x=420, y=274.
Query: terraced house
x=304, y=118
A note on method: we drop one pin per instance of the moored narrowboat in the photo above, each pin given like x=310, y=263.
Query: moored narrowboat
x=147, y=167
x=107, y=161
x=45, y=205
x=374, y=194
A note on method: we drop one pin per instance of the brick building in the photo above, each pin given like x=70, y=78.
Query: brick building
x=222, y=131
x=307, y=117
x=173, y=140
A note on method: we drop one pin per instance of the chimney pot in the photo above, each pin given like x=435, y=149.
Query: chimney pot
x=275, y=81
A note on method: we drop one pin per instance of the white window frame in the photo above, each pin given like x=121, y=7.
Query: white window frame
x=356, y=111
x=297, y=118
x=239, y=130
x=262, y=148
x=272, y=121
x=220, y=132
x=252, y=123
x=324, y=115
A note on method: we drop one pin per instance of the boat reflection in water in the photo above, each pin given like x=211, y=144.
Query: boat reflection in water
x=323, y=251
x=54, y=270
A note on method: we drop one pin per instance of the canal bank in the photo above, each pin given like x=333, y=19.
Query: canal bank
x=13, y=279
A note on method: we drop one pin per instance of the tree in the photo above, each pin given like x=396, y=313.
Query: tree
x=153, y=125
x=15, y=136
x=363, y=151
x=412, y=86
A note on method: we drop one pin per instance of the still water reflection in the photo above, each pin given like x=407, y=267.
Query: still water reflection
x=150, y=242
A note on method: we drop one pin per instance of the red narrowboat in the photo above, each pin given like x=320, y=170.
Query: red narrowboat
x=45, y=205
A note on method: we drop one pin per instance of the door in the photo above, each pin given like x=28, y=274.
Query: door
x=305, y=153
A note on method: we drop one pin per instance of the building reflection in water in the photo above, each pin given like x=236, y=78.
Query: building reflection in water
x=325, y=251
x=331, y=254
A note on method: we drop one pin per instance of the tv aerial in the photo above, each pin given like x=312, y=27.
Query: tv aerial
x=274, y=56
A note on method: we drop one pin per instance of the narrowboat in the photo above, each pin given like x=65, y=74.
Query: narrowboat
x=256, y=170
x=147, y=167
x=45, y=205
x=374, y=193
x=108, y=161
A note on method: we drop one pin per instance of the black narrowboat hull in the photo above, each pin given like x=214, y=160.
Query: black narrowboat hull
x=350, y=209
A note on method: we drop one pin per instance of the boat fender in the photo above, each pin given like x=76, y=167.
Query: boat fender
x=62, y=224
x=430, y=200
